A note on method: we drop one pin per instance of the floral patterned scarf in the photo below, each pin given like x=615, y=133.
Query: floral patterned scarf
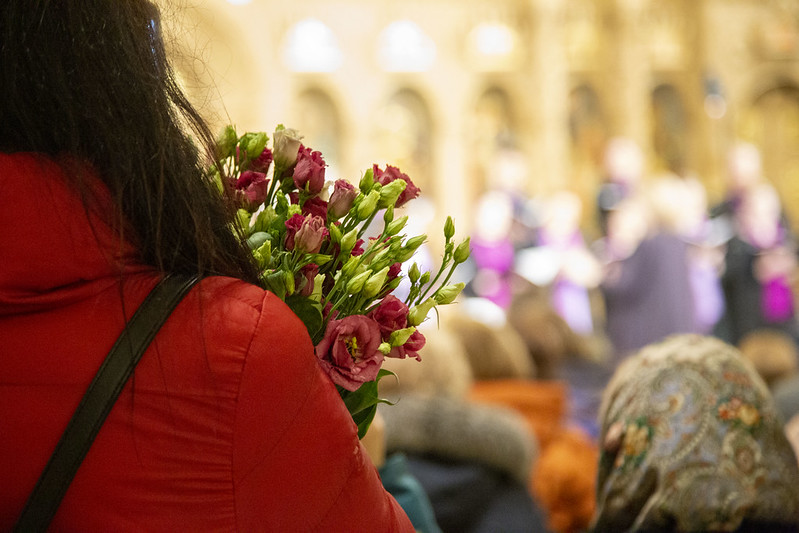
x=691, y=441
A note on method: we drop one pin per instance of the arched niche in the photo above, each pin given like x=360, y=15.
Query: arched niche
x=670, y=129
x=406, y=137
x=772, y=124
x=588, y=133
x=316, y=115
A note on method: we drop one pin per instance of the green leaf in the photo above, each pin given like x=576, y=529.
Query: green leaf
x=309, y=311
x=362, y=403
x=364, y=420
x=255, y=240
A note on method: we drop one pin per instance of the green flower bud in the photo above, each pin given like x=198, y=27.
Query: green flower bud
x=259, y=259
x=425, y=279
x=400, y=336
x=411, y=245
x=396, y=226
x=355, y=285
x=350, y=266
x=288, y=278
x=348, y=241
x=318, y=282
x=414, y=273
x=418, y=313
x=449, y=228
x=388, y=216
x=321, y=259
x=384, y=348
x=293, y=209
x=367, y=181
x=265, y=251
x=448, y=293
x=375, y=282
x=390, y=192
x=255, y=144
x=368, y=205
x=461, y=253
x=226, y=142
x=335, y=233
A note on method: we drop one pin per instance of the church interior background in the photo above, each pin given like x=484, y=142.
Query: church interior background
x=470, y=95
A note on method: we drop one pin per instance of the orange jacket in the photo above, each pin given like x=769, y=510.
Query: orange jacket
x=228, y=423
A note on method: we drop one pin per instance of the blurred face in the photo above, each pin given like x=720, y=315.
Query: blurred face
x=744, y=166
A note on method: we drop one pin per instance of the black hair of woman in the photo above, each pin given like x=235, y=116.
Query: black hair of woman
x=90, y=80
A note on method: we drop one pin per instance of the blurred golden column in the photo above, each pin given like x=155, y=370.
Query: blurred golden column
x=550, y=92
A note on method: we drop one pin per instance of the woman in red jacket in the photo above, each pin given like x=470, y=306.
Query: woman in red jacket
x=227, y=423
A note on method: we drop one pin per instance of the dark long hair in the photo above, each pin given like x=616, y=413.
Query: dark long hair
x=90, y=78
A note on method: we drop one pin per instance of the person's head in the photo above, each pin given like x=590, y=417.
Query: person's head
x=691, y=441
x=494, y=351
x=772, y=352
x=759, y=214
x=562, y=214
x=624, y=161
x=744, y=166
x=547, y=336
x=444, y=369
x=89, y=81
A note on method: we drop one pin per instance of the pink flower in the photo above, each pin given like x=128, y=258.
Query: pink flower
x=253, y=186
x=341, y=199
x=411, y=347
x=309, y=173
x=384, y=177
x=348, y=352
x=391, y=314
x=315, y=206
x=311, y=235
x=358, y=248
x=262, y=162
x=292, y=226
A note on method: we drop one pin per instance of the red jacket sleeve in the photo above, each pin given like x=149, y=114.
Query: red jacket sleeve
x=298, y=464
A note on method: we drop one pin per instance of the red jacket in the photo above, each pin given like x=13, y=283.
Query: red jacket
x=228, y=423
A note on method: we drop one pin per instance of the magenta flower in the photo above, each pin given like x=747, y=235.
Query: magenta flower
x=394, y=271
x=348, y=352
x=311, y=235
x=262, y=162
x=411, y=347
x=315, y=206
x=391, y=314
x=341, y=199
x=309, y=172
x=384, y=177
x=358, y=248
x=253, y=186
x=305, y=279
x=292, y=226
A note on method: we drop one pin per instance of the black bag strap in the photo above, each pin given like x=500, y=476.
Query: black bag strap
x=99, y=399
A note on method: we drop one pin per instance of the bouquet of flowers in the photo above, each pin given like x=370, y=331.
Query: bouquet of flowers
x=309, y=237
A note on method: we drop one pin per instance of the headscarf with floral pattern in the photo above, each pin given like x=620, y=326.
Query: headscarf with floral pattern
x=691, y=441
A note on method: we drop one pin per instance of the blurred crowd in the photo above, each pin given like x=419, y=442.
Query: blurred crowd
x=565, y=392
